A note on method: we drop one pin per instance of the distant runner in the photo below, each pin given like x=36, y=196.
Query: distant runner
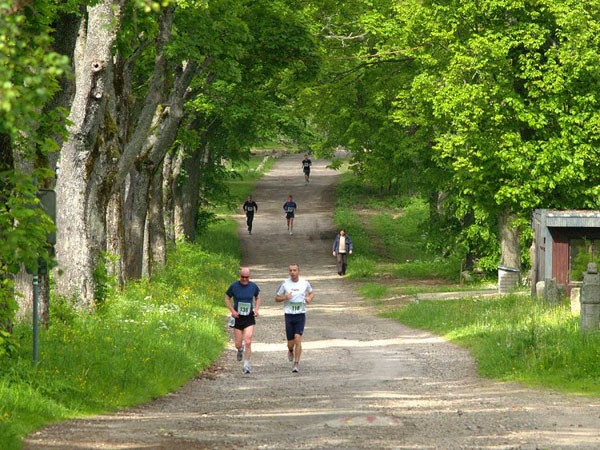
x=250, y=207
x=290, y=211
x=306, y=163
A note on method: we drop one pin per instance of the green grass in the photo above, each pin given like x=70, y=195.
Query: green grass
x=373, y=290
x=143, y=343
x=387, y=234
x=515, y=338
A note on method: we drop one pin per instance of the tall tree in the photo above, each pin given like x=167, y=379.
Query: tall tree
x=513, y=108
x=134, y=89
x=496, y=101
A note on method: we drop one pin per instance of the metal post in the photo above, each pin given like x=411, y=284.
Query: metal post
x=35, y=320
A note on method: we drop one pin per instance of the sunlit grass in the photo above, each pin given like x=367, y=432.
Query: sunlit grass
x=372, y=290
x=141, y=344
x=388, y=234
x=249, y=173
x=515, y=338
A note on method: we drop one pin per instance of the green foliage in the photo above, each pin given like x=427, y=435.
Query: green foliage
x=204, y=220
x=23, y=230
x=30, y=69
x=28, y=80
x=515, y=338
x=247, y=173
x=583, y=252
x=478, y=108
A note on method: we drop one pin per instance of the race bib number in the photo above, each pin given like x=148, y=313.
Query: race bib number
x=244, y=308
x=249, y=208
x=296, y=307
x=290, y=209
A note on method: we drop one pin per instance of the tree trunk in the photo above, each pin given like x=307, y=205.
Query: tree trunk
x=115, y=239
x=80, y=203
x=157, y=241
x=134, y=222
x=168, y=203
x=510, y=243
x=158, y=144
x=178, y=182
x=186, y=194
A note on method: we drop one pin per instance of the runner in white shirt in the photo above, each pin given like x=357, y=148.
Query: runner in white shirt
x=295, y=293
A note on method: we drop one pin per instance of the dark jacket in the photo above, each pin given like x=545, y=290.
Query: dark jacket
x=336, y=244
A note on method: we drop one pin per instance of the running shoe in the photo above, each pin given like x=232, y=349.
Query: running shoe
x=246, y=369
x=240, y=353
x=290, y=355
x=295, y=368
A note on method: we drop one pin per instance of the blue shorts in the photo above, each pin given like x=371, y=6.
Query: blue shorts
x=294, y=324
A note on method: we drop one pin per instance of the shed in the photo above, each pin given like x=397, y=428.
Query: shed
x=564, y=241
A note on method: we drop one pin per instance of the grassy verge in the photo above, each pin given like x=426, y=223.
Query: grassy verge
x=516, y=338
x=141, y=344
x=144, y=342
x=248, y=174
x=512, y=337
x=387, y=234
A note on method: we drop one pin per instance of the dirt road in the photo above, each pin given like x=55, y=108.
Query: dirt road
x=365, y=382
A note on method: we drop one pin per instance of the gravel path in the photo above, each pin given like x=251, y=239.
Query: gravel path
x=365, y=382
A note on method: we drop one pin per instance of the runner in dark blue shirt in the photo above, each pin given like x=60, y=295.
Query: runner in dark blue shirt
x=290, y=211
x=244, y=308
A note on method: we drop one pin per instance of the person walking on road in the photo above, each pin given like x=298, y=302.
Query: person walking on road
x=246, y=302
x=250, y=207
x=290, y=211
x=295, y=293
x=342, y=247
x=306, y=163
